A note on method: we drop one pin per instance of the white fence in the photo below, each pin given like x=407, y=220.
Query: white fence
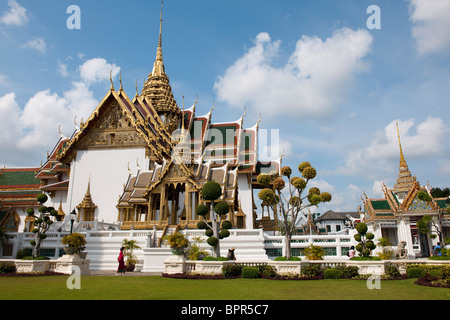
x=251, y=245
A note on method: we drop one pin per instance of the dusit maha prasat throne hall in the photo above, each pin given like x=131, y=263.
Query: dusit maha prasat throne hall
x=135, y=169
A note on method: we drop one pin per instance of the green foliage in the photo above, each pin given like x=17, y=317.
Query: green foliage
x=75, y=240
x=227, y=224
x=309, y=173
x=332, y=274
x=365, y=245
x=201, y=225
x=42, y=198
x=7, y=267
x=361, y=228
x=303, y=165
x=415, y=272
x=250, y=272
x=23, y=253
x=211, y=191
x=424, y=196
x=232, y=270
x=298, y=183
x=313, y=270
x=314, y=252
x=195, y=252
x=279, y=184
x=386, y=253
x=264, y=179
x=201, y=210
x=176, y=240
x=267, y=271
x=286, y=171
x=224, y=233
x=212, y=241
x=222, y=208
x=348, y=271
x=266, y=195
x=285, y=259
x=42, y=223
x=392, y=272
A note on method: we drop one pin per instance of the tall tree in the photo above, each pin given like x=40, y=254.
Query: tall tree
x=212, y=191
x=292, y=203
x=42, y=223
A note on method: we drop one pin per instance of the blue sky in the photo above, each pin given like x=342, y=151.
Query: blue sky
x=332, y=87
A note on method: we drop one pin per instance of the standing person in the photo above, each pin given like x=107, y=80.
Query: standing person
x=351, y=252
x=230, y=255
x=437, y=249
x=121, y=260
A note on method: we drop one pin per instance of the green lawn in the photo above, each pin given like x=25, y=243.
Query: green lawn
x=158, y=288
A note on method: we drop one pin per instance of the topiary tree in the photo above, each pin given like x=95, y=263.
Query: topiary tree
x=42, y=223
x=365, y=245
x=215, y=229
x=292, y=204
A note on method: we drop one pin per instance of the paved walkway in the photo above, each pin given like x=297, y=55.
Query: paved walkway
x=128, y=274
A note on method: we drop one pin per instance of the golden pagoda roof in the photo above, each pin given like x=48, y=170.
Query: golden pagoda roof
x=158, y=90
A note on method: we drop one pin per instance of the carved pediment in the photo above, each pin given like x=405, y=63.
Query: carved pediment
x=112, y=130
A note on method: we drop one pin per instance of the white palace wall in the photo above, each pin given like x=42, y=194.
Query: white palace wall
x=107, y=172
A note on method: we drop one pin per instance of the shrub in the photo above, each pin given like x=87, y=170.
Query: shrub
x=415, y=272
x=23, y=253
x=227, y=224
x=392, y=271
x=201, y=210
x=250, y=272
x=211, y=191
x=314, y=270
x=285, y=259
x=268, y=271
x=348, y=271
x=7, y=267
x=231, y=271
x=212, y=241
x=332, y=274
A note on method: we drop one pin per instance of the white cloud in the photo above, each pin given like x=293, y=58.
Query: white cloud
x=431, y=25
x=62, y=69
x=28, y=132
x=16, y=16
x=36, y=44
x=312, y=84
x=376, y=158
x=97, y=70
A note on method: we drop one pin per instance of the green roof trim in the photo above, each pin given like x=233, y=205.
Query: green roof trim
x=380, y=205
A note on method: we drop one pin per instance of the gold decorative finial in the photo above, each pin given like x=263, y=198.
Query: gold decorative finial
x=257, y=124
x=120, y=79
x=110, y=79
x=402, y=158
x=137, y=92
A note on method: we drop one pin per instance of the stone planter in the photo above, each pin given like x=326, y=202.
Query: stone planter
x=369, y=267
x=211, y=267
x=66, y=265
x=288, y=267
x=26, y=266
x=177, y=251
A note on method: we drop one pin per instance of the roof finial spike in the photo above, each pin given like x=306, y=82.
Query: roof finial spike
x=402, y=158
x=120, y=79
x=110, y=79
x=137, y=92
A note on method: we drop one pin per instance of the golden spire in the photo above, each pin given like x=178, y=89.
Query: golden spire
x=405, y=181
x=158, y=90
x=158, y=66
x=402, y=158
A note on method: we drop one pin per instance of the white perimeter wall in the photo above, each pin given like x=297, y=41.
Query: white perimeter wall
x=107, y=171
